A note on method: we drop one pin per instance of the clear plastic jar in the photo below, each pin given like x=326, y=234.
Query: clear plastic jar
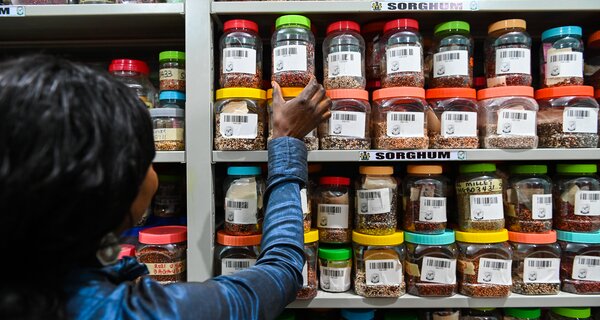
x=169, y=126
x=580, y=262
x=507, y=118
x=452, y=122
x=577, y=198
x=591, y=66
x=334, y=210
x=481, y=314
x=134, y=74
x=293, y=51
x=348, y=127
x=431, y=264
x=568, y=117
x=562, y=57
x=399, y=120
x=378, y=265
x=479, y=197
x=240, y=119
x=309, y=271
x=484, y=264
x=244, y=189
x=376, y=201
x=570, y=314
x=508, y=54
x=522, y=313
x=528, y=199
x=241, y=55
x=235, y=253
x=335, y=269
x=344, y=57
x=536, y=263
x=373, y=33
x=424, y=200
x=307, y=195
x=172, y=70
x=402, y=61
x=163, y=251
x=169, y=199
x=171, y=99
x=453, y=56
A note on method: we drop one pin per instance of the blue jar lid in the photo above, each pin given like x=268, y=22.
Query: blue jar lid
x=171, y=95
x=562, y=31
x=167, y=113
x=430, y=239
x=244, y=171
x=358, y=314
x=579, y=237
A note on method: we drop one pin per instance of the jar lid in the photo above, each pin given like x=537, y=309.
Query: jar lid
x=507, y=24
x=314, y=168
x=576, y=168
x=529, y=169
x=372, y=27
x=311, y=236
x=497, y=92
x=533, y=238
x=167, y=113
x=562, y=31
x=575, y=313
x=598, y=94
x=342, y=181
x=171, y=55
x=163, y=235
x=398, y=92
x=244, y=171
x=243, y=93
x=237, y=241
x=578, y=237
x=287, y=92
x=348, y=94
x=452, y=26
x=401, y=24
x=292, y=19
x=127, y=250
x=430, y=239
x=335, y=253
x=376, y=170
x=477, y=167
x=479, y=82
x=557, y=92
x=358, y=314
x=592, y=40
x=424, y=169
x=171, y=95
x=343, y=26
x=482, y=237
x=523, y=313
x=442, y=93
x=129, y=65
x=375, y=84
x=393, y=239
x=240, y=24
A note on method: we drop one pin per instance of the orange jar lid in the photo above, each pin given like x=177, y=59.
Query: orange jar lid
x=424, y=169
x=397, y=92
x=593, y=38
x=567, y=91
x=237, y=241
x=314, y=168
x=443, y=93
x=521, y=91
x=534, y=238
x=287, y=92
x=348, y=94
x=376, y=170
x=507, y=24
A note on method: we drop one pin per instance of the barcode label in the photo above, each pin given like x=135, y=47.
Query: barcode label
x=588, y=261
x=459, y=124
x=486, y=201
x=580, y=120
x=432, y=209
x=451, y=63
x=383, y=272
x=438, y=270
x=344, y=117
x=438, y=263
x=334, y=273
x=344, y=64
x=495, y=264
x=342, y=57
x=401, y=52
x=332, y=216
x=290, y=58
x=239, y=60
x=237, y=204
x=331, y=210
x=335, y=279
x=403, y=59
x=241, y=211
x=494, y=271
x=587, y=203
x=541, y=207
x=369, y=195
x=512, y=54
x=374, y=201
x=236, y=54
x=586, y=268
x=235, y=118
x=237, y=264
x=235, y=126
x=514, y=115
x=486, y=207
x=513, y=61
x=578, y=113
x=405, y=124
x=541, y=270
x=347, y=123
x=404, y=117
x=284, y=52
x=511, y=122
x=562, y=63
x=457, y=117
x=563, y=57
x=544, y=200
x=447, y=56
x=231, y=266
x=382, y=265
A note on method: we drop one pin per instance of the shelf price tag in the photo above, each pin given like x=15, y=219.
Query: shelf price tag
x=382, y=155
x=12, y=11
x=431, y=5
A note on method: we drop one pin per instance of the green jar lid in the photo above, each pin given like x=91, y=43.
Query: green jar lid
x=575, y=313
x=335, y=254
x=452, y=25
x=576, y=168
x=292, y=19
x=400, y=315
x=523, y=313
x=171, y=55
x=529, y=169
x=477, y=167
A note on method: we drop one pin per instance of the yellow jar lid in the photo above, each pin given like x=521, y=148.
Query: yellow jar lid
x=376, y=170
x=390, y=240
x=424, y=169
x=482, y=237
x=507, y=24
x=287, y=92
x=311, y=236
x=241, y=93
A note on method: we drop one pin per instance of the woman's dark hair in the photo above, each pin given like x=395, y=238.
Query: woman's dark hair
x=75, y=146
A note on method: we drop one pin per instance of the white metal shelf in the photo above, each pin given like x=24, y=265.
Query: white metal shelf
x=102, y=10
x=170, y=156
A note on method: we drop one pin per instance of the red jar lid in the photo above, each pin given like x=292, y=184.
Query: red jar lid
x=534, y=238
x=343, y=26
x=348, y=94
x=598, y=94
x=374, y=27
x=240, y=24
x=341, y=181
x=237, y=241
x=401, y=24
x=442, y=93
x=127, y=250
x=129, y=65
x=497, y=92
x=163, y=235
x=397, y=92
x=566, y=91
x=373, y=84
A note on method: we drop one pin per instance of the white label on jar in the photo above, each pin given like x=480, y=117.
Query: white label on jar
x=564, y=63
x=383, y=272
x=432, y=209
x=347, y=123
x=168, y=134
x=586, y=268
x=240, y=211
x=166, y=268
x=290, y=58
x=335, y=279
x=486, y=207
x=238, y=126
x=495, y=271
x=580, y=120
x=305, y=275
x=333, y=216
x=541, y=206
x=516, y=122
x=513, y=61
x=538, y=270
x=239, y=60
x=587, y=203
x=403, y=59
x=451, y=63
x=374, y=201
x=459, y=124
x=231, y=266
x=171, y=74
x=438, y=270
x=304, y=201
x=344, y=64
x=405, y=124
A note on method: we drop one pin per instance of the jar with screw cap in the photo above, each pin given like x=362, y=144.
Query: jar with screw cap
x=344, y=57
x=241, y=55
x=577, y=198
x=172, y=71
x=424, y=200
x=163, y=251
x=293, y=46
x=244, y=189
x=528, y=199
x=562, y=57
x=402, y=61
x=580, y=261
x=453, y=56
x=376, y=201
x=235, y=253
x=508, y=54
x=452, y=122
x=134, y=74
x=335, y=210
x=335, y=268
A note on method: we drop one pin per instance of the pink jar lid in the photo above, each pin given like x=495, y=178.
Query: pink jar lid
x=129, y=65
x=127, y=250
x=240, y=24
x=342, y=26
x=533, y=238
x=163, y=235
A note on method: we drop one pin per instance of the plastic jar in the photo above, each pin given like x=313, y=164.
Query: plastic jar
x=522, y=313
x=235, y=253
x=528, y=199
x=424, y=200
x=335, y=269
x=508, y=54
x=591, y=66
x=577, y=196
x=172, y=70
x=378, y=265
x=344, y=57
x=244, y=189
x=402, y=61
x=168, y=125
x=481, y=314
x=348, y=127
x=334, y=210
x=373, y=33
x=568, y=117
x=431, y=264
x=169, y=199
x=479, y=197
x=309, y=271
x=399, y=120
x=453, y=56
x=580, y=262
x=536, y=263
x=127, y=250
x=307, y=195
x=240, y=119
x=484, y=264
x=452, y=122
x=356, y=314
x=171, y=99
x=241, y=55
x=311, y=140
x=293, y=51
x=570, y=314
x=163, y=251
x=376, y=201
x=507, y=118
x=562, y=57
x=134, y=74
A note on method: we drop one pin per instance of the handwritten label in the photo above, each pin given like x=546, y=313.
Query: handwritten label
x=166, y=269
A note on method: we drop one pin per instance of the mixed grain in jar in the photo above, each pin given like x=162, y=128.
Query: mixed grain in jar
x=168, y=127
x=311, y=139
x=349, y=124
x=452, y=120
x=424, y=200
x=241, y=55
x=135, y=75
x=172, y=71
x=235, y=253
x=244, y=188
x=561, y=62
x=577, y=198
x=453, y=56
x=373, y=34
x=344, y=57
x=310, y=283
x=335, y=269
x=293, y=51
x=163, y=251
x=376, y=201
x=334, y=210
x=508, y=54
x=580, y=262
x=402, y=59
x=240, y=119
x=528, y=199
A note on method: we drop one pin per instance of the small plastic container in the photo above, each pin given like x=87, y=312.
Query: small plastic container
x=453, y=56
x=378, y=265
x=507, y=118
x=424, y=200
x=235, y=253
x=172, y=71
x=163, y=251
x=431, y=264
x=580, y=261
x=335, y=269
x=479, y=197
x=577, y=198
x=452, y=122
x=402, y=61
x=568, y=117
x=244, y=189
x=344, y=57
x=127, y=250
x=348, y=127
x=168, y=126
x=376, y=201
x=169, y=199
x=528, y=199
x=171, y=99
x=293, y=52
x=591, y=66
x=570, y=314
x=373, y=34
x=536, y=263
x=309, y=271
x=481, y=314
x=522, y=313
x=562, y=57
x=241, y=55
x=484, y=264
x=399, y=120
x=508, y=54
x=334, y=210
x=240, y=119
x=134, y=74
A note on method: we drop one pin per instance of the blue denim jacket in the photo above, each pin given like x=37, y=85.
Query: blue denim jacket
x=260, y=292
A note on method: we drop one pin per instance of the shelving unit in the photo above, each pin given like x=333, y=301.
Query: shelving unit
x=170, y=156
